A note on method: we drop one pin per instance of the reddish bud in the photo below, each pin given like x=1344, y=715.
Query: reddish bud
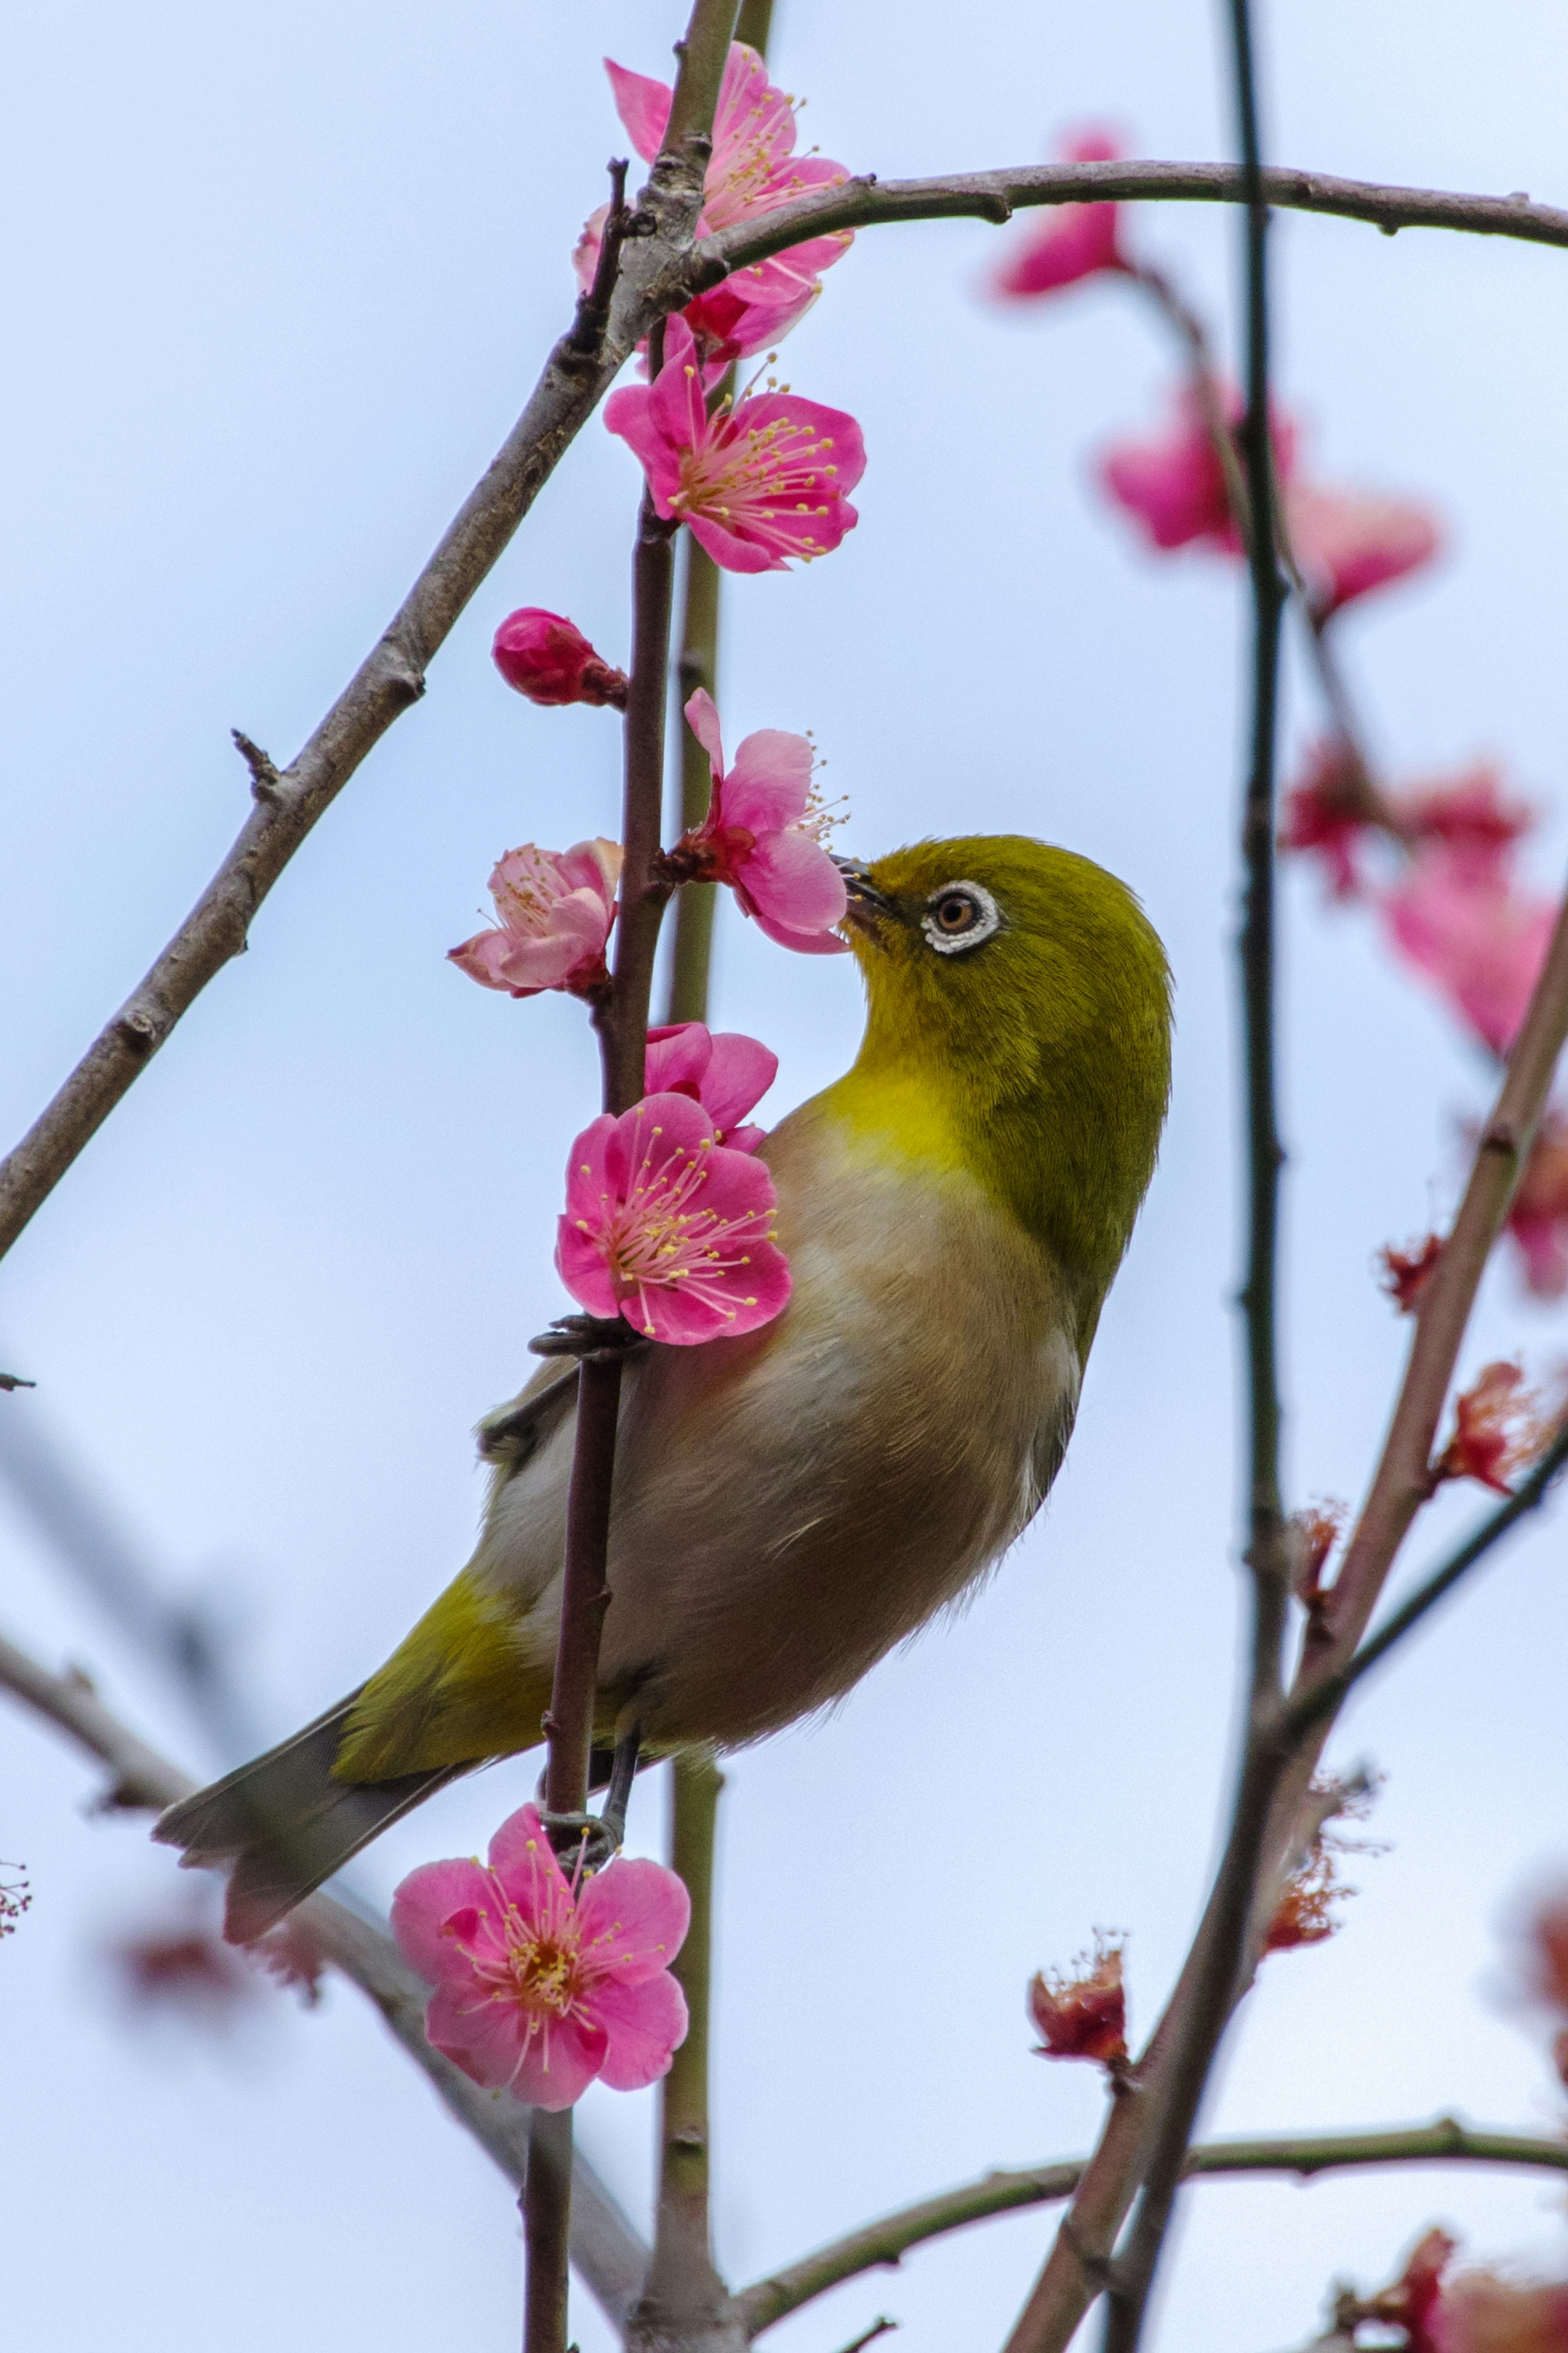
x=1313, y=1535
x=1404, y=1271
x=547, y=658
x=1498, y=1430
x=1082, y=2015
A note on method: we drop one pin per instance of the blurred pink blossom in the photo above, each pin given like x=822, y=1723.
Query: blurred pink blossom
x=556, y=909
x=1473, y=931
x=667, y=1227
x=1072, y=242
x=540, y=1986
x=1326, y=814
x=757, y=483
x=546, y=657
x=1346, y=543
x=1175, y=486
x=1469, y=813
x=1499, y=1429
x=725, y=1071
x=1480, y=2312
x=753, y=170
x=763, y=835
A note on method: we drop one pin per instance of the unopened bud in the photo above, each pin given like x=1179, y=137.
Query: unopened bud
x=547, y=658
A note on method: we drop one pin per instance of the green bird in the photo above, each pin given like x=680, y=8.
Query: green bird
x=790, y=1506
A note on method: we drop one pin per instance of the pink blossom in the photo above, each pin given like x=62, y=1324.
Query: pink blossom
x=556, y=909
x=1469, y=813
x=757, y=483
x=1474, y=933
x=1327, y=813
x=1073, y=242
x=726, y=1072
x=1346, y=543
x=1480, y=2312
x=1176, y=487
x=753, y=170
x=541, y=1987
x=763, y=835
x=1538, y=1219
x=547, y=658
x=668, y=1228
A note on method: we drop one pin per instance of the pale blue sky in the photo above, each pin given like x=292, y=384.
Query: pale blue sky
x=278, y=283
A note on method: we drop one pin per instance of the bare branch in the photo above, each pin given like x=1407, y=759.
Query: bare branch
x=607, y=2251
x=885, y=2243
x=866, y=202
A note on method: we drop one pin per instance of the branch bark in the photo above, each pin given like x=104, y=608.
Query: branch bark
x=886, y=2242
x=609, y=2256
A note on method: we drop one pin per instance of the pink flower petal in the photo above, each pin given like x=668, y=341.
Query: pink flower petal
x=643, y=106
x=645, y=2023
x=769, y=784
x=676, y=1059
x=703, y=721
x=424, y=1904
x=524, y=1861
x=1348, y=544
x=730, y=551
x=633, y=1918
x=800, y=943
x=740, y=1073
x=791, y=880
x=1472, y=932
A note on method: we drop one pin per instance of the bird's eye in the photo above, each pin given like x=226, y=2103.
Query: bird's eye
x=958, y=916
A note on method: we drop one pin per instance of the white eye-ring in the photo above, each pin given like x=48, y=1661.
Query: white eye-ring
x=958, y=916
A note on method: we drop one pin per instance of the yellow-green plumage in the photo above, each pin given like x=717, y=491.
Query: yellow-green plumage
x=791, y=1504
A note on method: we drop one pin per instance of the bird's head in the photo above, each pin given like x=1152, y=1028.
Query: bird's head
x=1019, y=998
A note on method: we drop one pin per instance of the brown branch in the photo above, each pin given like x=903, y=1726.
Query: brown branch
x=608, y=2253
x=866, y=202
x=886, y=2242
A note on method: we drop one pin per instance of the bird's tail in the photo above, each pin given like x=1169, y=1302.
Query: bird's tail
x=287, y=1824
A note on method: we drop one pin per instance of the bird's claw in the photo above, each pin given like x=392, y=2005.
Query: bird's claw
x=583, y=1843
x=592, y=1339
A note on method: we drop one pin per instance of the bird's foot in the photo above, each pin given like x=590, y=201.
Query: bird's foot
x=592, y=1339
x=583, y=1844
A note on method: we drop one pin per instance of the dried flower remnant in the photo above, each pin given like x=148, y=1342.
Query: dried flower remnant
x=16, y=1896
x=1405, y=1271
x=1082, y=2014
x=1074, y=242
x=1305, y=1914
x=546, y=657
x=556, y=911
x=725, y=1071
x=1175, y=486
x=758, y=483
x=1538, y=1217
x=1413, y=2301
x=665, y=1227
x=1313, y=1533
x=1498, y=1431
x=544, y=1985
x=754, y=169
x=1347, y=543
x=1474, y=933
x=763, y=835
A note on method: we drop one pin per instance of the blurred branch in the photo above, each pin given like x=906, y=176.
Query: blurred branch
x=178, y=1635
x=866, y=202
x=606, y=2250
x=885, y=2243
x=696, y=904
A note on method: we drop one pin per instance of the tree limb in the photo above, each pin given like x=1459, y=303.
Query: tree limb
x=1445, y=2142
x=607, y=2251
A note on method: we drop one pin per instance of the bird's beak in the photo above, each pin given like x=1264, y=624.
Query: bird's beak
x=865, y=902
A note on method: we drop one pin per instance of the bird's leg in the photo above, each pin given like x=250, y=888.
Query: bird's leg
x=622, y=1773
x=590, y=1338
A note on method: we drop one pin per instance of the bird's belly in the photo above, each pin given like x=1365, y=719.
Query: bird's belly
x=790, y=1506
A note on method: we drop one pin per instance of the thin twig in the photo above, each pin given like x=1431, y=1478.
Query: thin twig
x=866, y=202
x=884, y=2244
x=606, y=2250
x=1312, y=1705
x=686, y=2299
x=1184, y=2068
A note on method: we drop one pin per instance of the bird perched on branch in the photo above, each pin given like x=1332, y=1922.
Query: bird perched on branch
x=791, y=1504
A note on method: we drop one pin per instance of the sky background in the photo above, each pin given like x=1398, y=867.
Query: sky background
x=278, y=283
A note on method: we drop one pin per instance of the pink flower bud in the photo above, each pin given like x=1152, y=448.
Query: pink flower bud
x=1072, y=242
x=547, y=658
